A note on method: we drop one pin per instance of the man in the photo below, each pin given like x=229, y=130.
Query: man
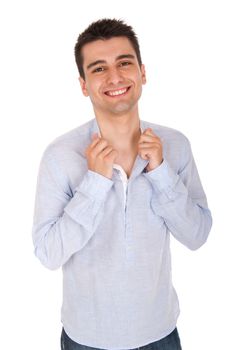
x=109, y=194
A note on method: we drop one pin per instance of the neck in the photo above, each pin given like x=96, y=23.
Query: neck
x=122, y=132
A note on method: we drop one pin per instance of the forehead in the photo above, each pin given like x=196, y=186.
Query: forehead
x=106, y=50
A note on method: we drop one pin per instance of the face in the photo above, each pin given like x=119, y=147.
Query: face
x=113, y=77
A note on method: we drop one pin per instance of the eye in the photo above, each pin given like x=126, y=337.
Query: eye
x=99, y=69
x=125, y=63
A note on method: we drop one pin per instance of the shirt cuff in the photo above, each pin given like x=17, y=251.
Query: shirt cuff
x=95, y=185
x=88, y=199
x=163, y=179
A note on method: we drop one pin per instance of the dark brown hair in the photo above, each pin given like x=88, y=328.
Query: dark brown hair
x=104, y=29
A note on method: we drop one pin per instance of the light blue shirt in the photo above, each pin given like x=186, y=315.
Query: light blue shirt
x=112, y=237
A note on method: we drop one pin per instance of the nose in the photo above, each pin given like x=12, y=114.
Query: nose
x=114, y=77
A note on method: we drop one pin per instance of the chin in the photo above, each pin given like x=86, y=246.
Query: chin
x=122, y=108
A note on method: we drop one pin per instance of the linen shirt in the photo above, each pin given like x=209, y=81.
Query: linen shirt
x=112, y=237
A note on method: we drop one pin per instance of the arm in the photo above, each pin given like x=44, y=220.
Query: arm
x=180, y=199
x=63, y=224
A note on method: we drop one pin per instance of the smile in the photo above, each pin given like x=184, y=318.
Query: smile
x=117, y=92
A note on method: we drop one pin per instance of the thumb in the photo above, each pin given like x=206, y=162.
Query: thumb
x=95, y=136
x=148, y=131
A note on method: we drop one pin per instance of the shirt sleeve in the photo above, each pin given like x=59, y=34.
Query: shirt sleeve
x=62, y=223
x=179, y=198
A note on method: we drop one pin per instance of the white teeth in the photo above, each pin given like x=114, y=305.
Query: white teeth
x=115, y=93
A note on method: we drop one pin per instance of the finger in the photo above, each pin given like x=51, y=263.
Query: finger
x=111, y=155
x=145, y=153
x=149, y=131
x=106, y=151
x=148, y=138
x=95, y=135
x=95, y=140
x=99, y=147
x=151, y=145
x=147, y=134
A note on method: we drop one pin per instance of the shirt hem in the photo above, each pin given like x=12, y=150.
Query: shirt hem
x=123, y=347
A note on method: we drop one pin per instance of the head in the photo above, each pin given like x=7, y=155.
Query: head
x=104, y=29
x=111, y=71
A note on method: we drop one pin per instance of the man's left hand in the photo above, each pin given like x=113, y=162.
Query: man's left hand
x=150, y=147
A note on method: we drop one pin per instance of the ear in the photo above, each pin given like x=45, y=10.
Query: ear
x=83, y=86
x=143, y=72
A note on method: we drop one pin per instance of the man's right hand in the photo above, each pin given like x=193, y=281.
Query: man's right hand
x=101, y=156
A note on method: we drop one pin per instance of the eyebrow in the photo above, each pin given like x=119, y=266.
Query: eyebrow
x=103, y=61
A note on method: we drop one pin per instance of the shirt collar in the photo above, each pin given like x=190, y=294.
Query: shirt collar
x=139, y=164
x=96, y=129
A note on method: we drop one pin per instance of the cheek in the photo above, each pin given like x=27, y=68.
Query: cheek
x=94, y=87
x=94, y=91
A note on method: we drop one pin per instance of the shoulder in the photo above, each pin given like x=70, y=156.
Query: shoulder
x=167, y=134
x=72, y=141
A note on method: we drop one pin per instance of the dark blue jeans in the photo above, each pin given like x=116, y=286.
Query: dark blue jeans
x=170, y=342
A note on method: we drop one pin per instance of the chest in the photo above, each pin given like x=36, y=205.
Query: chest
x=127, y=163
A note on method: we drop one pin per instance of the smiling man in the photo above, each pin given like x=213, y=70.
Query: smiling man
x=113, y=80
x=109, y=194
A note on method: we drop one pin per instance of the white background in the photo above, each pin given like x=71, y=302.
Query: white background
x=186, y=48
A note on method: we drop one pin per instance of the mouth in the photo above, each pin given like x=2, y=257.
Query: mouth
x=117, y=93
